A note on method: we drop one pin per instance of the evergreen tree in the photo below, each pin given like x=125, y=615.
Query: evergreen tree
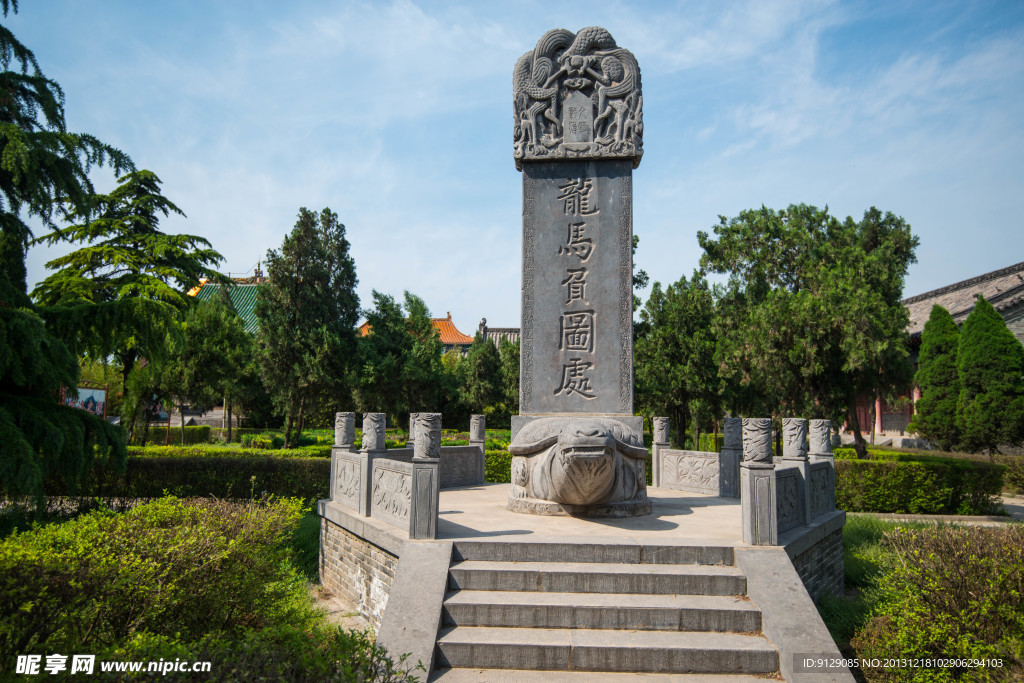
x=307, y=314
x=43, y=169
x=133, y=276
x=382, y=355
x=483, y=390
x=207, y=356
x=509, y=352
x=990, y=364
x=812, y=317
x=423, y=372
x=938, y=380
x=674, y=359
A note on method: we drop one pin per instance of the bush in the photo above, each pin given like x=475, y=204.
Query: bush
x=263, y=441
x=172, y=567
x=225, y=475
x=280, y=653
x=918, y=485
x=497, y=466
x=952, y=593
x=1014, y=471
x=158, y=435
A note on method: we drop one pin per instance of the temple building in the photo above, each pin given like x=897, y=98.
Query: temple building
x=1004, y=289
x=451, y=337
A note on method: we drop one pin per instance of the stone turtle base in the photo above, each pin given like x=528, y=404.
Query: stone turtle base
x=533, y=506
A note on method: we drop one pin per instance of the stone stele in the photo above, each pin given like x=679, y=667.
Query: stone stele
x=577, y=448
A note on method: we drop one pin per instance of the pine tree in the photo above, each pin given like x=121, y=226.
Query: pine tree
x=307, y=313
x=483, y=390
x=133, y=276
x=43, y=169
x=990, y=364
x=938, y=380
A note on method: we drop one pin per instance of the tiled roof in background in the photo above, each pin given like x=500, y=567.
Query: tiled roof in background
x=446, y=329
x=243, y=296
x=1001, y=288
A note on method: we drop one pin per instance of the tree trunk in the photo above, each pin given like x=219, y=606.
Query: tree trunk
x=227, y=411
x=288, y=428
x=167, y=434
x=696, y=435
x=298, y=430
x=859, y=444
x=181, y=409
x=716, y=449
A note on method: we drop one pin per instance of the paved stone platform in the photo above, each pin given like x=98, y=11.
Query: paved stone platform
x=677, y=518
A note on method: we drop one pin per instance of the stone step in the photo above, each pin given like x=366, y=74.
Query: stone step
x=562, y=551
x=605, y=650
x=527, y=676
x=597, y=577
x=601, y=611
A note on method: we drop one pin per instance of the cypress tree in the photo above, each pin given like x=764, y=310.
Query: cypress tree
x=990, y=363
x=938, y=380
x=43, y=169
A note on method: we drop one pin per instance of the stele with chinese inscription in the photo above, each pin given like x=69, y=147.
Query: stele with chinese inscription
x=578, y=136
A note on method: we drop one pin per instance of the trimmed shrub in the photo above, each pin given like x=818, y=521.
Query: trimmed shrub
x=221, y=451
x=195, y=434
x=172, y=567
x=953, y=592
x=263, y=441
x=1014, y=471
x=497, y=466
x=204, y=474
x=280, y=653
x=937, y=377
x=919, y=485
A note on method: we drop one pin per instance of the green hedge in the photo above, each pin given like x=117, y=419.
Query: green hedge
x=187, y=475
x=919, y=485
x=210, y=451
x=158, y=435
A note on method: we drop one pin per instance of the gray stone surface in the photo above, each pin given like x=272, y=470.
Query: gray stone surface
x=426, y=488
x=820, y=437
x=757, y=439
x=477, y=428
x=794, y=438
x=732, y=433
x=595, y=466
x=577, y=311
x=577, y=96
x=661, y=425
x=789, y=618
x=462, y=465
x=427, y=436
x=344, y=429
x=373, y=431
x=605, y=650
x=411, y=622
x=757, y=503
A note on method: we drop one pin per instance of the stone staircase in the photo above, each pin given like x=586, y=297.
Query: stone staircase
x=527, y=611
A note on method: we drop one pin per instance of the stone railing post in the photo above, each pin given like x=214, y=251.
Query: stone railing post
x=821, y=451
x=373, y=446
x=344, y=439
x=345, y=430
x=426, y=482
x=412, y=430
x=478, y=438
x=757, y=483
x=659, y=426
x=730, y=457
x=794, y=453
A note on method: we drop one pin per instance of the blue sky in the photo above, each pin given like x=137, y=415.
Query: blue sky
x=398, y=116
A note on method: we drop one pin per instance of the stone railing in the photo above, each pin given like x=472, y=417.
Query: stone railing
x=781, y=494
x=716, y=474
x=401, y=486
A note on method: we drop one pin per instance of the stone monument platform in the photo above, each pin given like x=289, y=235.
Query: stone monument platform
x=500, y=596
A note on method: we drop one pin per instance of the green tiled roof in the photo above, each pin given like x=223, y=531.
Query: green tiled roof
x=243, y=296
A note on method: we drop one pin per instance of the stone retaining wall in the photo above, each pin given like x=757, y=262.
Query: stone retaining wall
x=817, y=556
x=353, y=567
